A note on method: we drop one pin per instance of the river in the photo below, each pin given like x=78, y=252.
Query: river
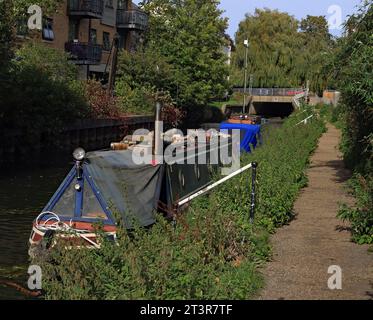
x=23, y=194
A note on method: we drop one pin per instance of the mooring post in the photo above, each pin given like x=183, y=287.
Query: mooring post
x=254, y=165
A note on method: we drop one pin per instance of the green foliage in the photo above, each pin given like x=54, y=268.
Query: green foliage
x=361, y=215
x=6, y=36
x=52, y=63
x=282, y=163
x=189, y=35
x=11, y=12
x=39, y=94
x=213, y=253
x=280, y=53
x=140, y=76
x=353, y=76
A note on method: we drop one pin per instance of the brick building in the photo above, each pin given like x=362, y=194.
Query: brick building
x=86, y=29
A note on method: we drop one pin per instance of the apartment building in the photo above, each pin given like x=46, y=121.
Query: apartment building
x=86, y=29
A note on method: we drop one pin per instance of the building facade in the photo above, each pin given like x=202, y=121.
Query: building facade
x=87, y=28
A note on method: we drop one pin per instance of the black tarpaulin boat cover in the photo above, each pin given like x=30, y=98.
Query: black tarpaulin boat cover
x=112, y=187
x=129, y=189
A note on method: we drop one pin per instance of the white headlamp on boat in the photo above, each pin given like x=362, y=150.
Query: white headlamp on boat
x=79, y=155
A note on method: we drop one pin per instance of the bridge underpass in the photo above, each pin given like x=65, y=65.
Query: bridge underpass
x=271, y=109
x=273, y=102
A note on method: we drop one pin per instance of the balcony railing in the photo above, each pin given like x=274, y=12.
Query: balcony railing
x=132, y=19
x=84, y=53
x=86, y=8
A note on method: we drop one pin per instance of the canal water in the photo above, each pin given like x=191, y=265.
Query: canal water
x=23, y=194
x=24, y=191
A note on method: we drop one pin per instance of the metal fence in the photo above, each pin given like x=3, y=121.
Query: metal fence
x=84, y=51
x=133, y=19
x=271, y=91
x=93, y=6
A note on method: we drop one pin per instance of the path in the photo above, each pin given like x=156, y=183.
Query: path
x=314, y=240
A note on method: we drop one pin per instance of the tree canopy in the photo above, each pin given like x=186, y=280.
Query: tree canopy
x=189, y=35
x=283, y=51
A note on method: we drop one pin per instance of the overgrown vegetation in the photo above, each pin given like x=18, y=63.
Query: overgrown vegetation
x=39, y=93
x=214, y=251
x=353, y=76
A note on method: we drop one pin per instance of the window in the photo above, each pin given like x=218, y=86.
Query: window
x=106, y=41
x=122, y=4
x=109, y=4
x=73, y=30
x=93, y=36
x=48, y=33
x=21, y=27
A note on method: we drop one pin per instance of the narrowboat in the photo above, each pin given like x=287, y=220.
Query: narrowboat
x=111, y=187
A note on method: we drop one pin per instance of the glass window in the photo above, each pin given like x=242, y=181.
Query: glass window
x=93, y=36
x=73, y=30
x=106, y=41
x=65, y=206
x=48, y=33
x=22, y=28
x=109, y=4
x=122, y=4
x=91, y=206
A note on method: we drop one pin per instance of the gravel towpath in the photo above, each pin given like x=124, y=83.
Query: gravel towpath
x=315, y=240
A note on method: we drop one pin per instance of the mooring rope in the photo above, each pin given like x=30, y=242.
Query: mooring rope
x=21, y=289
x=58, y=225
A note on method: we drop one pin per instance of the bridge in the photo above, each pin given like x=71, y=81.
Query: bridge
x=271, y=102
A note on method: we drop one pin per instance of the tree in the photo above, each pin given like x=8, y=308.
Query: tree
x=11, y=13
x=280, y=53
x=6, y=35
x=317, y=44
x=40, y=93
x=190, y=36
x=273, y=47
x=353, y=77
x=316, y=26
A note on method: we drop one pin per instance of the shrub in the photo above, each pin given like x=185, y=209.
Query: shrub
x=102, y=104
x=354, y=78
x=39, y=94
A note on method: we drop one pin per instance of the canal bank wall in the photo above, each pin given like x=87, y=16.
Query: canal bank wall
x=90, y=134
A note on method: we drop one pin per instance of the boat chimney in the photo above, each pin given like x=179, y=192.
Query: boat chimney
x=158, y=147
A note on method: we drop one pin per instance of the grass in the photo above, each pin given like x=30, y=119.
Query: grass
x=220, y=104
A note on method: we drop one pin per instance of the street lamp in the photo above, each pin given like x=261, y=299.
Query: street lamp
x=246, y=44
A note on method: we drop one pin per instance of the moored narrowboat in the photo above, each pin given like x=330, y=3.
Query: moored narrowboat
x=111, y=187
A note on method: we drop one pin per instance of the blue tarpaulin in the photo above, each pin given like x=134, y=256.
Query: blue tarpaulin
x=249, y=133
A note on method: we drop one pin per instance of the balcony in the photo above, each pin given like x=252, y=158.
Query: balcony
x=90, y=9
x=84, y=53
x=132, y=19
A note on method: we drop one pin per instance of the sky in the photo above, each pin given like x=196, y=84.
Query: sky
x=335, y=11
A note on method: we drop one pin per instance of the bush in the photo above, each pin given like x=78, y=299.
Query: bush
x=102, y=104
x=354, y=78
x=39, y=93
x=361, y=216
x=213, y=253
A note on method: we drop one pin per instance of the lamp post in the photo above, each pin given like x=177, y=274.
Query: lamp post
x=114, y=62
x=246, y=44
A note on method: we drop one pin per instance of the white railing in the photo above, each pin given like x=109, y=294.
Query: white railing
x=305, y=121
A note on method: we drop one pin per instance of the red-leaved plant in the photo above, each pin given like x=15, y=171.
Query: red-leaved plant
x=103, y=105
